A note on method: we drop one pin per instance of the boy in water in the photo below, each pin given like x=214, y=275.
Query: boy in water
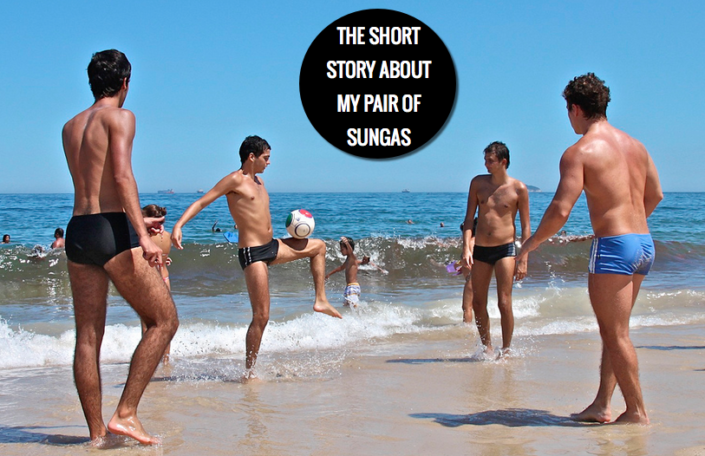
x=351, y=263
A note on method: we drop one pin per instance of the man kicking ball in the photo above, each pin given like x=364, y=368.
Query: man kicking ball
x=248, y=201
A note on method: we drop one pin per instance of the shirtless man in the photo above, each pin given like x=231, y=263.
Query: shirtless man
x=248, y=201
x=498, y=198
x=59, y=240
x=107, y=240
x=622, y=188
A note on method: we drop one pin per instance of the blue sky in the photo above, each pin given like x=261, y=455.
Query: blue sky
x=207, y=74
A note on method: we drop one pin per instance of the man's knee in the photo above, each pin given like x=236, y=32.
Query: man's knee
x=317, y=246
x=260, y=319
x=504, y=303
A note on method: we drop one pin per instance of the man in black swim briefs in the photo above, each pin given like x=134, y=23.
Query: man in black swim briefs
x=497, y=198
x=248, y=202
x=107, y=240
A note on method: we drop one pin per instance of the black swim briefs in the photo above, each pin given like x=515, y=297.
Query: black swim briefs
x=97, y=238
x=267, y=253
x=492, y=255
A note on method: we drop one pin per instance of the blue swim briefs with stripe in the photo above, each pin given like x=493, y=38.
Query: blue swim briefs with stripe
x=626, y=254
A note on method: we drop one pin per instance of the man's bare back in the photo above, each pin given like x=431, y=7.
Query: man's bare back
x=615, y=168
x=86, y=143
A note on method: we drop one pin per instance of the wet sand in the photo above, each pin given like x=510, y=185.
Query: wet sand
x=400, y=396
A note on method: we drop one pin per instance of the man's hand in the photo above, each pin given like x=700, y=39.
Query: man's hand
x=151, y=252
x=521, y=266
x=176, y=237
x=155, y=225
x=467, y=260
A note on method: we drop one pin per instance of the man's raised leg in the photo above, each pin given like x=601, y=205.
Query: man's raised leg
x=291, y=249
x=600, y=409
x=257, y=280
x=89, y=285
x=481, y=277
x=143, y=288
x=504, y=272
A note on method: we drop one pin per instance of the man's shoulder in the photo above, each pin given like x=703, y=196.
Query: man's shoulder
x=237, y=180
x=481, y=179
x=518, y=185
x=117, y=114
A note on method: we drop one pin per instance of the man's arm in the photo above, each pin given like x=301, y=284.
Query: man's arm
x=226, y=184
x=557, y=213
x=652, y=193
x=121, y=133
x=523, y=203
x=468, y=239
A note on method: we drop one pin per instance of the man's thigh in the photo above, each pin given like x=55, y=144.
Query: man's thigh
x=481, y=276
x=611, y=296
x=141, y=285
x=89, y=286
x=257, y=280
x=504, y=272
x=291, y=249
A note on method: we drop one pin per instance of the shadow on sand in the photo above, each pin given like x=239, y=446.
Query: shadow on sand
x=37, y=434
x=672, y=347
x=508, y=417
x=436, y=360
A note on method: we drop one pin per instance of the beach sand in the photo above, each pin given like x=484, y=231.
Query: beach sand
x=403, y=396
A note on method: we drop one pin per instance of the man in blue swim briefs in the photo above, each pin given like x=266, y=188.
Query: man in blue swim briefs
x=248, y=202
x=107, y=240
x=497, y=198
x=622, y=189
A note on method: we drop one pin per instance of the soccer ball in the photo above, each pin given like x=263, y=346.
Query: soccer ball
x=300, y=224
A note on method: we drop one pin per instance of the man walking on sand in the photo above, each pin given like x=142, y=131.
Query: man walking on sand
x=248, y=201
x=107, y=240
x=622, y=188
x=497, y=198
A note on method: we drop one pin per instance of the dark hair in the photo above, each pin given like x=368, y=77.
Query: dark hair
x=106, y=72
x=5, y=236
x=499, y=150
x=253, y=145
x=152, y=210
x=59, y=232
x=350, y=241
x=590, y=93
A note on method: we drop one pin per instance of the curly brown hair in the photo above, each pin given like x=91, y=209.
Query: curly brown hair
x=152, y=210
x=590, y=93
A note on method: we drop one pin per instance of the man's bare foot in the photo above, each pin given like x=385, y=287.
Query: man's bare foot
x=131, y=427
x=505, y=353
x=250, y=376
x=326, y=308
x=106, y=441
x=632, y=418
x=593, y=414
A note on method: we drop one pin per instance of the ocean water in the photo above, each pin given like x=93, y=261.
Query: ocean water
x=416, y=299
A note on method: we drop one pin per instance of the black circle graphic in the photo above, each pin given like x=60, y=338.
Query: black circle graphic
x=377, y=83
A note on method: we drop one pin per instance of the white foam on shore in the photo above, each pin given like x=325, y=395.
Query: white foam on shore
x=549, y=311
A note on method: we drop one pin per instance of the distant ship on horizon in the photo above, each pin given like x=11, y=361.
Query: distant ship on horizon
x=166, y=192
x=200, y=190
x=405, y=191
